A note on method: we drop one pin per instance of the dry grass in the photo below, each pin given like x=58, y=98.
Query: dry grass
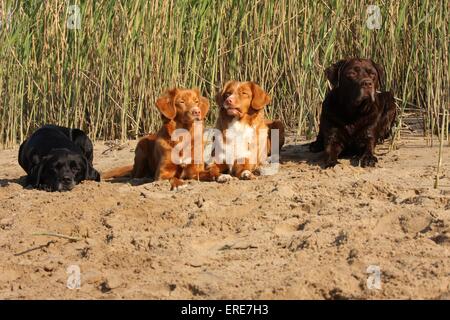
x=106, y=76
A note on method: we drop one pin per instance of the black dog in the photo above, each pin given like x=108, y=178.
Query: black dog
x=57, y=158
x=355, y=117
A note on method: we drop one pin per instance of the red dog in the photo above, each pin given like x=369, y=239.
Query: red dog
x=242, y=113
x=180, y=109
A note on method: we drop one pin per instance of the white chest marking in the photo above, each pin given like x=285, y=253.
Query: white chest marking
x=239, y=137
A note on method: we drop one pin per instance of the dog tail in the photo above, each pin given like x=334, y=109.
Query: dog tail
x=118, y=172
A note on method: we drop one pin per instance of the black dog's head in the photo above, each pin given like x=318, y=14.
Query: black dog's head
x=61, y=170
x=357, y=78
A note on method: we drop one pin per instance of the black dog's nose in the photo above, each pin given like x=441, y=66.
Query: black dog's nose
x=367, y=83
x=66, y=179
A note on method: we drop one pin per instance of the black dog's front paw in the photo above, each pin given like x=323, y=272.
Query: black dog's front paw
x=316, y=146
x=368, y=160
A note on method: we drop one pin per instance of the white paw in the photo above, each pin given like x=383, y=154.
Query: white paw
x=246, y=175
x=179, y=187
x=224, y=178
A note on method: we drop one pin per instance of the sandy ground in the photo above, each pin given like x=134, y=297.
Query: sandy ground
x=302, y=233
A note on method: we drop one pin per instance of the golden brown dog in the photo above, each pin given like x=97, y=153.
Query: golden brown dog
x=180, y=109
x=241, y=116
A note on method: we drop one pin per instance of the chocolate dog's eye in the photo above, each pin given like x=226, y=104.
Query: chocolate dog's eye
x=181, y=102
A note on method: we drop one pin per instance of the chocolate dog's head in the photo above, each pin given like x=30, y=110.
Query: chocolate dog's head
x=61, y=170
x=240, y=98
x=183, y=105
x=358, y=78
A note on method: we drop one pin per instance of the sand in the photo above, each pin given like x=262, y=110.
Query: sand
x=304, y=233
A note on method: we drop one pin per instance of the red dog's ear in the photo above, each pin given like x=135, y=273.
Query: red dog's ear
x=166, y=105
x=204, y=106
x=219, y=95
x=203, y=103
x=260, y=98
x=333, y=72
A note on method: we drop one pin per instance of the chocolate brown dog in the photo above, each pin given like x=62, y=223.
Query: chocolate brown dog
x=354, y=116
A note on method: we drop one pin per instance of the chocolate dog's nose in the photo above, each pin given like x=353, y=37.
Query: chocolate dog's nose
x=367, y=83
x=196, y=112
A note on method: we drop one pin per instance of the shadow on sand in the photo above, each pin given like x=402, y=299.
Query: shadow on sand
x=7, y=182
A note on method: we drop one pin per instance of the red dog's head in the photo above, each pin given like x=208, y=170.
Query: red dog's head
x=183, y=105
x=240, y=98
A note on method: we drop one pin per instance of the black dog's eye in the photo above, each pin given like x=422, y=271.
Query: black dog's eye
x=74, y=166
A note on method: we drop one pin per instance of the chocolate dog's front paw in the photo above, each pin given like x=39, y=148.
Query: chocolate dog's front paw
x=368, y=160
x=330, y=163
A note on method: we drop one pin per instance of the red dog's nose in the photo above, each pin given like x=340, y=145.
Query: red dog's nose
x=196, y=112
x=229, y=100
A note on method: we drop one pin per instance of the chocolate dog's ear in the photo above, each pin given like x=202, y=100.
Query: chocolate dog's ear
x=260, y=98
x=166, y=104
x=380, y=71
x=203, y=103
x=219, y=95
x=333, y=72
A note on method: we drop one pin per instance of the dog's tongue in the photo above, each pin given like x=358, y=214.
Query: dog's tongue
x=233, y=112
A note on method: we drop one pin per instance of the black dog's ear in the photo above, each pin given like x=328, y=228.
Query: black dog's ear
x=380, y=71
x=82, y=140
x=333, y=72
x=90, y=173
x=34, y=178
x=95, y=175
